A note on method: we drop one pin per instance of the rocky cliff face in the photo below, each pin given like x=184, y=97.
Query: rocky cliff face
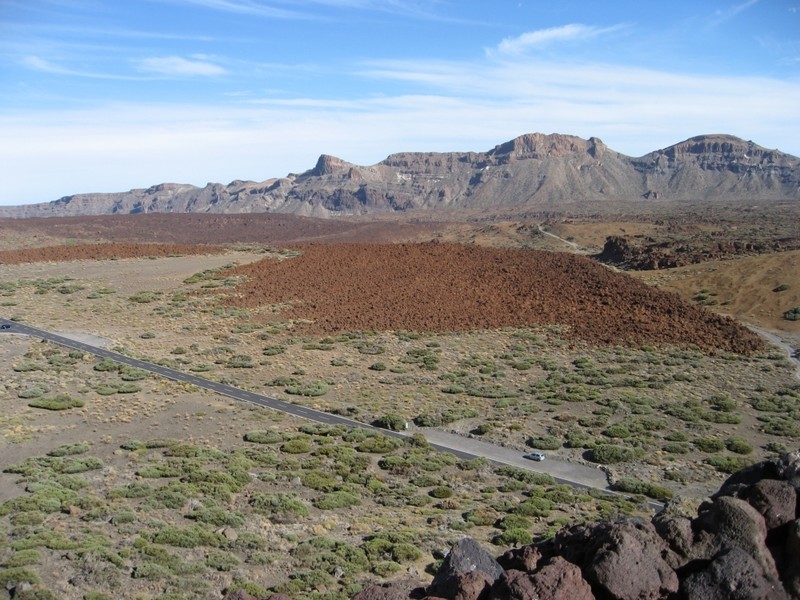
x=533, y=170
x=744, y=544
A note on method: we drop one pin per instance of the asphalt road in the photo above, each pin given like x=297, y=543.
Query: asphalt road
x=575, y=474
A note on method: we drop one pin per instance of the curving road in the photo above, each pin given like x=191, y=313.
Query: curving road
x=574, y=474
x=792, y=353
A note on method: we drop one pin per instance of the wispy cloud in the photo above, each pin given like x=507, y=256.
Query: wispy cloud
x=722, y=15
x=46, y=66
x=245, y=7
x=177, y=65
x=544, y=37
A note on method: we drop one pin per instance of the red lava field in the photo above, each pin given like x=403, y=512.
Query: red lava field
x=101, y=252
x=453, y=287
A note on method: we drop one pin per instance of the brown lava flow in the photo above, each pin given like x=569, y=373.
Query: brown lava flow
x=102, y=252
x=454, y=287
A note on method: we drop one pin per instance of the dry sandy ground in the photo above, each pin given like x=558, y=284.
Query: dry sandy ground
x=744, y=288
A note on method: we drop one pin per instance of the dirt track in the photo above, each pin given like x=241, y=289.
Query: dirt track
x=101, y=252
x=452, y=287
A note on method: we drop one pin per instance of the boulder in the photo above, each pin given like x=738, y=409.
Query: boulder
x=732, y=575
x=401, y=589
x=557, y=580
x=775, y=500
x=525, y=558
x=466, y=556
x=791, y=571
x=629, y=563
x=742, y=526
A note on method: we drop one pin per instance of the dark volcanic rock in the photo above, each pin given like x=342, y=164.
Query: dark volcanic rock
x=739, y=524
x=557, y=580
x=775, y=500
x=402, y=589
x=624, y=559
x=466, y=557
x=732, y=575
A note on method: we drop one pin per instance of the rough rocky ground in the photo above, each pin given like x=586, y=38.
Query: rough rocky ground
x=742, y=544
x=446, y=287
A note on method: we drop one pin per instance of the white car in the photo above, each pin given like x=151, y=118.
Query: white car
x=537, y=456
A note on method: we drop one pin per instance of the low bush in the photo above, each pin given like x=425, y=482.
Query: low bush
x=629, y=485
x=35, y=391
x=281, y=508
x=392, y=422
x=313, y=388
x=60, y=402
x=793, y=314
x=729, y=464
x=609, y=454
x=336, y=500
x=263, y=437
x=298, y=445
x=544, y=442
x=738, y=445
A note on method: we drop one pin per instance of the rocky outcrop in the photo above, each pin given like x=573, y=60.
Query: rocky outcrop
x=535, y=170
x=743, y=544
x=644, y=254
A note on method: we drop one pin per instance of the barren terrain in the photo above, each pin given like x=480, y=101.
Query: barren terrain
x=151, y=487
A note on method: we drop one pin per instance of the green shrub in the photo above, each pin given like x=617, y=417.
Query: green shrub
x=629, y=485
x=781, y=287
x=281, y=508
x=220, y=517
x=793, y=314
x=263, y=437
x=69, y=450
x=221, y=560
x=441, y=492
x=379, y=444
x=335, y=500
x=144, y=297
x=544, y=442
x=729, y=464
x=60, y=402
x=298, y=445
x=709, y=445
x=150, y=570
x=534, y=507
x=676, y=447
x=738, y=445
x=10, y=578
x=392, y=422
x=24, y=558
x=513, y=537
x=106, y=365
x=387, y=568
x=314, y=388
x=609, y=454
x=35, y=391
x=188, y=537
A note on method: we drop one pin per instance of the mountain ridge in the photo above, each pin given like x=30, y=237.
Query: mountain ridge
x=534, y=170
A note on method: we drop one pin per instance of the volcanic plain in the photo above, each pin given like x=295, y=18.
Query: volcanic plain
x=116, y=482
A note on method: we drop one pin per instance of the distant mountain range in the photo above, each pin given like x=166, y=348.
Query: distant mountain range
x=535, y=170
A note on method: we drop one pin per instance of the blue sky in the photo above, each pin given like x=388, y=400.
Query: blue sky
x=109, y=95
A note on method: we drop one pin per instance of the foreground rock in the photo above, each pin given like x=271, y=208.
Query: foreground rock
x=743, y=544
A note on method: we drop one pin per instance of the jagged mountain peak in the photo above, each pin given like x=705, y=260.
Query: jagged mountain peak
x=534, y=170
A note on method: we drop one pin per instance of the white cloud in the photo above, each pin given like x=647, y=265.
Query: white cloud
x=244, y=7
x=458, y=106
x=176, y=65
x=544, y=37
x=46, y=66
